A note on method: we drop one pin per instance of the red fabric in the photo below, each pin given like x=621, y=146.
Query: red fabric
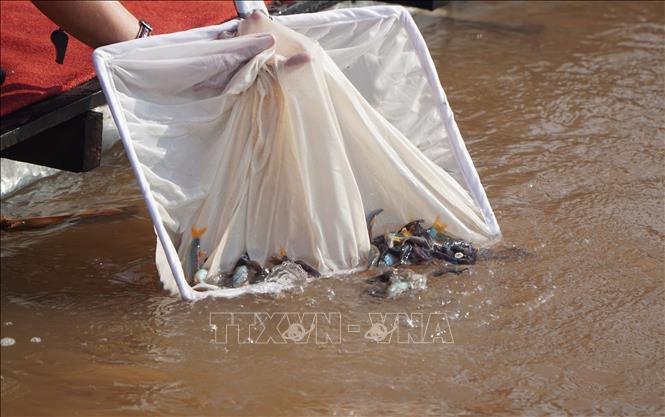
x=28, y=57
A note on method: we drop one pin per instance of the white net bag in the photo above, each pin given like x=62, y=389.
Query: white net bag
x=282, y=138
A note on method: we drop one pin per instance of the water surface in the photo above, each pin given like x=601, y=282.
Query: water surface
x=562, y=108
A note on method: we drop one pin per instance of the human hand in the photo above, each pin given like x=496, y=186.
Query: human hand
x=289, y=44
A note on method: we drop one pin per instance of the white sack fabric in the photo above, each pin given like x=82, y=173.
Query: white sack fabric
x=283, y=139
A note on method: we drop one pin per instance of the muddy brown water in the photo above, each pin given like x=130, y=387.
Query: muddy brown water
x=562, y=108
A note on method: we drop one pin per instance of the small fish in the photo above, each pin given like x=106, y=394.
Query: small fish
x=200, y=275
x=195, y=253
x=379, y=241
x=388, y=259
x=374, y=254
x=371, y=219
x=449, y=268
x=309, y=269
x=384, y=277
x=414, y=228
x=260, y=272
x=240, y=276
x=391, y=238
x=438, y=230
x=406, y=251
x=441, y=254
x=455, y=252
x=417, y=240
x=438, y=226
x=421, y=255
x=281, y=258
x=277, y=260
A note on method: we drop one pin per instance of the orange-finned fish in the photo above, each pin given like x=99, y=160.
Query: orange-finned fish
x=438, y=228
x=371, y=219
x=195, y=252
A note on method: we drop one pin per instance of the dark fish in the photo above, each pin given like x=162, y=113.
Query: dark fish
x=387, y=259
x=396, y=251
x=455, y=252
x=453, y=269
x=421, y=255
x=418, y=240
x=379, y=241
x=405, y=253
x=279, y=259
x=384, y=277
x=374, y=254
x=260, y=272
x=195, y=253
x=467, y=251
x=371, y=219
x=415, y=227
x=377, y=292
x=309, y=269
x=240, y=276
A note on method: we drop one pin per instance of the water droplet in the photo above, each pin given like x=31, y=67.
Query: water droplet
x=7, y=341
x=36, y=339
x=330, y=294
x=9, y=323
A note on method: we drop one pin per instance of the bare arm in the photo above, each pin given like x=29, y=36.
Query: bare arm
x=95, y=23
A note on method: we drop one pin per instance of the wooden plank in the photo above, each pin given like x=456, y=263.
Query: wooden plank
x=36, y=118
x=73, y=145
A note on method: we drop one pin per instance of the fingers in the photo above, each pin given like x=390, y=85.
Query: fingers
x=256, y=16
x=255, y=22
x=289, y=43
x=227, y=34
